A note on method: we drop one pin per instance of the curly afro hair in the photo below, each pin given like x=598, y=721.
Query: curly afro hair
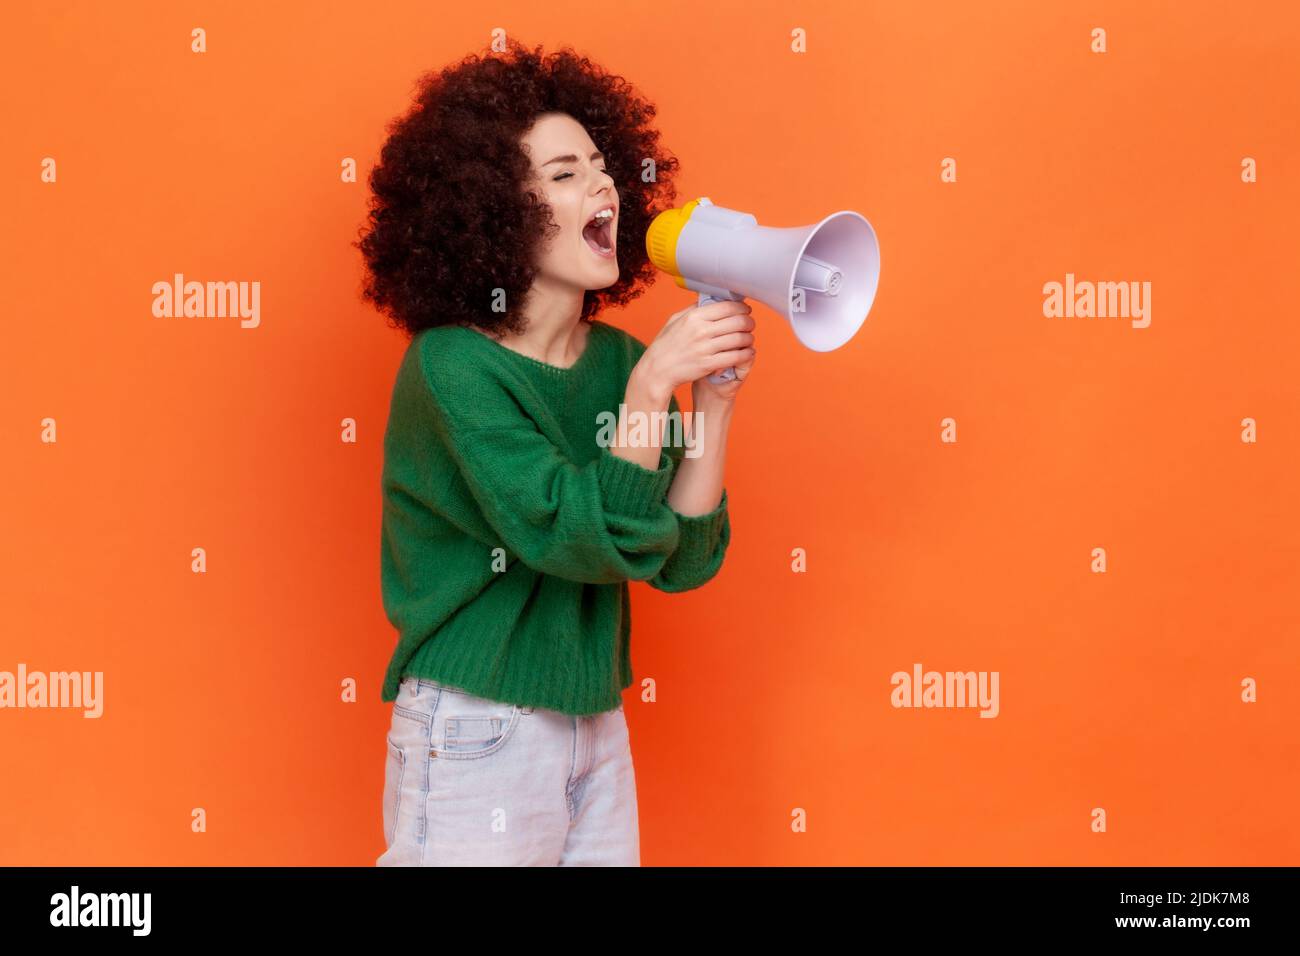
x=451, y=219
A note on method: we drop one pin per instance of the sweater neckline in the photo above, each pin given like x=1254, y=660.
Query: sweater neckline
x=561, y=371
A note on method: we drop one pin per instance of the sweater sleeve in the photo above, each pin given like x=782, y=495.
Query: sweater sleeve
x=598, y=523
x=702, y=541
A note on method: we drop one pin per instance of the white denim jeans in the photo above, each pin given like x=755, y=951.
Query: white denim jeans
x=476, y=782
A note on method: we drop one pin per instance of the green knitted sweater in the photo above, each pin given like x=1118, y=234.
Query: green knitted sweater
x=510, y=533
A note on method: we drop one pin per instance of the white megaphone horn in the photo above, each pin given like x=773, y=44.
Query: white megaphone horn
x=821, y=278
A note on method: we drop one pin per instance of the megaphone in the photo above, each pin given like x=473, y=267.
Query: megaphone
x=821, y=278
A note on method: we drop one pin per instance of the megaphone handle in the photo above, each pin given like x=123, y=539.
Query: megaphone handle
x=725, y=375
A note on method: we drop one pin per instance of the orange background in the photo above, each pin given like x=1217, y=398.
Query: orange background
x=1118, y=690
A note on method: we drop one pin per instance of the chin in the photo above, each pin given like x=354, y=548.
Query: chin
x=604, y=283
x=600, y=272
x=598, y=279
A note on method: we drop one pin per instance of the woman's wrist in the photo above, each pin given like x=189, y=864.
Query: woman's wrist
x=704, y=398
x=648, y=388
x=721, y=408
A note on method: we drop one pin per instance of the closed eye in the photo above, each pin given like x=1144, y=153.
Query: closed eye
x=566, y=175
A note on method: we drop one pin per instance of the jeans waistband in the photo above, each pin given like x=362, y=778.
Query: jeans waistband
x=422, y=685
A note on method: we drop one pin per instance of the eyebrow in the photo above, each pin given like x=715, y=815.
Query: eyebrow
x=570, y=158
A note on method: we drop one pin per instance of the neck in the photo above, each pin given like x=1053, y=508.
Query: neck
x=553, y=313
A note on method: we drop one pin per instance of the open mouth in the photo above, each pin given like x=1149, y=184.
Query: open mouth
x=599, y=233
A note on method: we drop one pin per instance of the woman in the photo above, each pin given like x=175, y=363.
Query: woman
x=510, y=206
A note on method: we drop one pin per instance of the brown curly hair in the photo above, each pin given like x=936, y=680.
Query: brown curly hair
x=451, y=219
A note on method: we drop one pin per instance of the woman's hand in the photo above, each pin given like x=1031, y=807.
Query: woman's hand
x=705, y=393
x=698, y=341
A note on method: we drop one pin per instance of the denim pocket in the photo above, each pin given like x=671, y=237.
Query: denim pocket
x=406, y=773
x=394, y=772
x=474, y=726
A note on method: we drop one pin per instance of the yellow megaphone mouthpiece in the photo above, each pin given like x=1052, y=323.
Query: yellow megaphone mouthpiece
x=661, y=239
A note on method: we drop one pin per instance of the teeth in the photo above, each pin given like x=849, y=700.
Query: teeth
x=600, y=219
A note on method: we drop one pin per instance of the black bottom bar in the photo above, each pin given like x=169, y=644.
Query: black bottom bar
x=214, y=904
